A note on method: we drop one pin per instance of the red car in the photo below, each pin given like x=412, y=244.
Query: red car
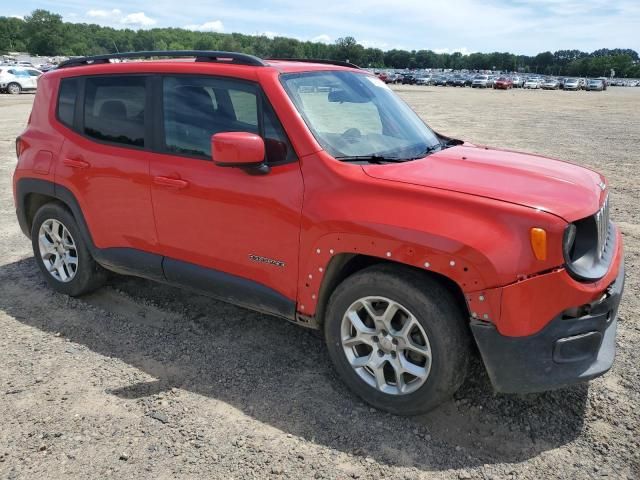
x=503, y=83
x=310, y=191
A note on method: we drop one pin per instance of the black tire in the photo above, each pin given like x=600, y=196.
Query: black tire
x=14, y=88
x=88, y=274
x=438, y=313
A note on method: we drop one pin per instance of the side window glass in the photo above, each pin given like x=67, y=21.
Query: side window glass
x=67, y=100
x=276, y=143
x=114, y=109
x=195, y=108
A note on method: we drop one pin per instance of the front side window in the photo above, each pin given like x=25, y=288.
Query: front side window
x=114, y=109
x=195, y=108
x=356, y=115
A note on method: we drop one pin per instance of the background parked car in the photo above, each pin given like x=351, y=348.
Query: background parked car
x=439, y=81
x=517, y=81
x=550, y=84
x=480, y=81
x=503, y=83
x=595, y=85
x=457, y=81
x=15, y=80
x=605, y=82
x=382, y=76
x=532, y=83
x=408, y=79
x=423, y=80
x=571, y=84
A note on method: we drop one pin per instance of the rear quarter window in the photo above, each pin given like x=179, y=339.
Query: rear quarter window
x=67, y=97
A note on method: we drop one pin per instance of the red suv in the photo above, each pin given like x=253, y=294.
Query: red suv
x=309, y=191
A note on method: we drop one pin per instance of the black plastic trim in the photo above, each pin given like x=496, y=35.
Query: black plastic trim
x=24, y=187
x=545, y=361
x=229, y=288
x=322, y=61
x=596, y=268
x=200, y=56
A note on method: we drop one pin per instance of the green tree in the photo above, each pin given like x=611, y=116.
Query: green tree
x=44, y=33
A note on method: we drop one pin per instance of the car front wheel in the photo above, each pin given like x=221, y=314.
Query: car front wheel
x=61, y=253
x=397, y=338
x=14, y=88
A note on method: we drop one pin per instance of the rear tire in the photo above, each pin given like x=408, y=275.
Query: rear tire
x=404, y=374
x=14, y=88
x=62, y=254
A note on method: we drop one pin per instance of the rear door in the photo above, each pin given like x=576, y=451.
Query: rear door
x=104, y=159
x=242, y=224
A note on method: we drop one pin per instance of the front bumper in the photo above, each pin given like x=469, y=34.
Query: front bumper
x=566, y=351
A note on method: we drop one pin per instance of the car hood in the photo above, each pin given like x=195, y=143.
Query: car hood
x=563, y=189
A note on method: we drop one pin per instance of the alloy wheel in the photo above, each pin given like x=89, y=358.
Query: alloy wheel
x=386, y=345
x=58, y=250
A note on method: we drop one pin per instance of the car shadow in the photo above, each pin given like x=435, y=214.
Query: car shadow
x=279, y=374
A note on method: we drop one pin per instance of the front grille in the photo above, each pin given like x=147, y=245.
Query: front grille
x=602, y=224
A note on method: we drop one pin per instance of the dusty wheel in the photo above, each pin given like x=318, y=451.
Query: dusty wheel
x=397, y=338
x=14, y=88
x=61, y=253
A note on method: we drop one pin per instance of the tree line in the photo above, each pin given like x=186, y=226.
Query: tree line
x=44, y=33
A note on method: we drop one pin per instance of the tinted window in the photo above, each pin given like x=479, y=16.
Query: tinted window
x=114, y=109
x=67, y=100
x=195, y=108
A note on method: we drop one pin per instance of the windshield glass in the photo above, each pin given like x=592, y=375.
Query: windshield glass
x=353, y=114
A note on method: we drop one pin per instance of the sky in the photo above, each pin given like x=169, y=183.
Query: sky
x=519, y=26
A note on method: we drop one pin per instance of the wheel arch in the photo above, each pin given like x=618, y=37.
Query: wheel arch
x=33, y=193
x=343, y=265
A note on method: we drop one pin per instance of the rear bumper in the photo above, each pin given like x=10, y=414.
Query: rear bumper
x=565, y=351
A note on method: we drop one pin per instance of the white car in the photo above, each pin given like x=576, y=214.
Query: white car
x=532, y=83
x=15, y=80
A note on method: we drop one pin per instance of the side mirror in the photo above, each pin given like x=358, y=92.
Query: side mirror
x=237, y=149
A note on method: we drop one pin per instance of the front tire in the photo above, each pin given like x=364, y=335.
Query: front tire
x=14, y=88
x=62, y=254
x=397, y=338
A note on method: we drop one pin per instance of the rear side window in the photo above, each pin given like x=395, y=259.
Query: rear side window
x=114, y=109
x=67, y=100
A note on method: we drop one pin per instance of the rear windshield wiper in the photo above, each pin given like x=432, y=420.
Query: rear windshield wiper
x=370, y=159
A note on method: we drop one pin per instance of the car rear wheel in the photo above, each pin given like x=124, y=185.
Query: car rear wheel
x=397, y=338
x=14, y=88
x=61, y=253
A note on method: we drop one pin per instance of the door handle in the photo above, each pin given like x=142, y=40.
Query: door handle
x=170, y=182
x=75, y=163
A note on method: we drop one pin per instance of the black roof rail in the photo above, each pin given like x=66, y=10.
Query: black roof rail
x=324, y=61
x=200, y=55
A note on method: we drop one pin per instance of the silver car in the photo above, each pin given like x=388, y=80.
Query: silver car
x=480, y=81
x=572, y=84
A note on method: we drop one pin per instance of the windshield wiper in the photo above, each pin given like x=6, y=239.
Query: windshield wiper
x=433, y=148
x=370, y=159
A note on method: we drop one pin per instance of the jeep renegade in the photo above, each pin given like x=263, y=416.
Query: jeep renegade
x=310, y=191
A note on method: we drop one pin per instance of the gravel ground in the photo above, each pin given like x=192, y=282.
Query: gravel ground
x=145, y=381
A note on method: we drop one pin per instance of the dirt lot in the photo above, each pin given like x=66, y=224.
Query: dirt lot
x=145, y=381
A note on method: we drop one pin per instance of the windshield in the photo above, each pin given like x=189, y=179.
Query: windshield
x=353, y=114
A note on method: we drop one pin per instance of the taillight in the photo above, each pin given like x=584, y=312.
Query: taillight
x=21, y=146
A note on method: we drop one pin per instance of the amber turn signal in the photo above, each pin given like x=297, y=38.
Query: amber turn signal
x=539, y=243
